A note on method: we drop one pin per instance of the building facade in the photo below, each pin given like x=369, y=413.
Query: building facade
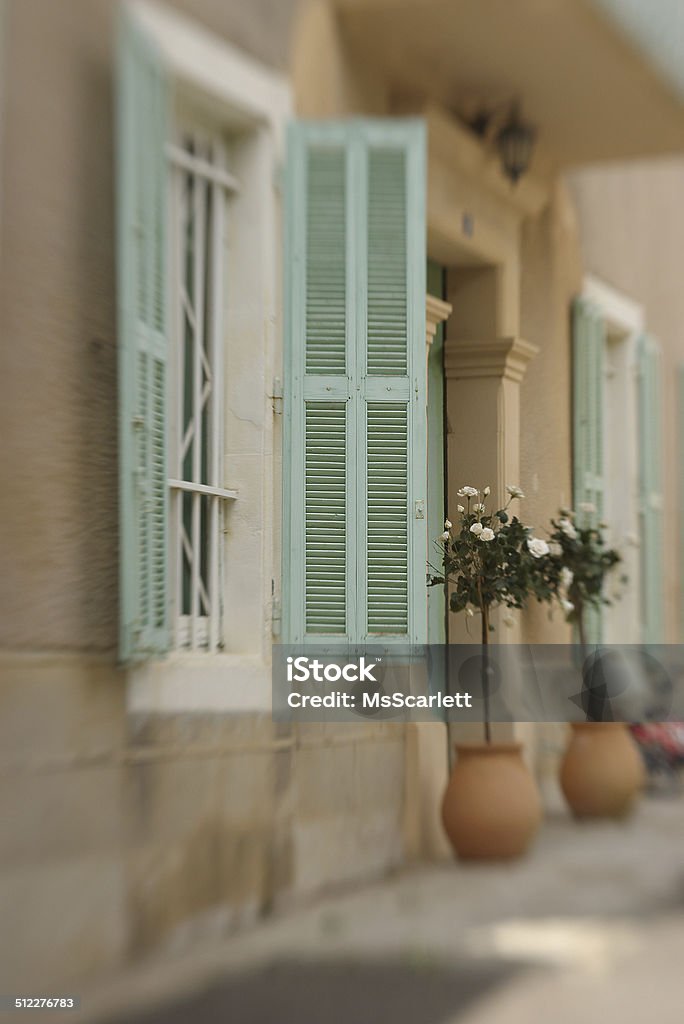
x=159, y=207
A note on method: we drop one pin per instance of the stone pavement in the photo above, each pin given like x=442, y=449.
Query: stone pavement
x=590, y=926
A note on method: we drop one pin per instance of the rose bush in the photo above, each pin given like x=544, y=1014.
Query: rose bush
x=491, y=559
x=578, y=564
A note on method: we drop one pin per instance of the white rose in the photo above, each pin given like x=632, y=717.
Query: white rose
x=478, y=508
x=567, y=607
x=486, y=491
x=460, y=508
x=537, y=547
x=566, y=577
x=444, y=536
x=587, y=506
x=476, y=528
x=447, y=524
x=555, y=548
x=486, y=534
x=467, y=492
x=514, y=491
x=567, y=528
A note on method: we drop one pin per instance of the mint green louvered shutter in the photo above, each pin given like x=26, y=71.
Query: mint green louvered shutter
x=142, y=344
x=650, y=488
x=355, y=433
x=588, y=417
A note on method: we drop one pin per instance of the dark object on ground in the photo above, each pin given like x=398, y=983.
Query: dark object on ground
x=662, y=748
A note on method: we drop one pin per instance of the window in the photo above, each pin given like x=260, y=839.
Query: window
x=200, y=128
x=617, y=453
x=650, y=490
x=200, y=195
x=589, y=343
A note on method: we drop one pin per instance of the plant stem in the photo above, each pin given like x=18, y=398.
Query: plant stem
x=583, y=643
x=485, y=665
x=581, y=629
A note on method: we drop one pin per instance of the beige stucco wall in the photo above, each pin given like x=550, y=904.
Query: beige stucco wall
x=326, y=78
x=632, y=230
x=550, y=278
x=57, y=324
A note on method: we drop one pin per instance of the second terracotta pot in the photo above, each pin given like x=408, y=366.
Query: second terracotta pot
x=602, y=773
x=491, y=808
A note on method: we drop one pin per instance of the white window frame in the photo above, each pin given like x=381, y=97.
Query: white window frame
x=253, y=103
x=199, y=626
x=624, y=322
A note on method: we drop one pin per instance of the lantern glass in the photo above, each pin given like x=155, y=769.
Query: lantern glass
x=514, y=143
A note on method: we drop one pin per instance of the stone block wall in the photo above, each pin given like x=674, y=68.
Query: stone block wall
x=125, y=833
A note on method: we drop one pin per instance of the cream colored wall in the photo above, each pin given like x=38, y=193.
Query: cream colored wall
x=58, y=406
x=326, y=80
x=631, y=221
x=550, y=278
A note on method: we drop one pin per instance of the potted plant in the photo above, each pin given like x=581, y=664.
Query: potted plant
x=491, y=807
x=602, y=771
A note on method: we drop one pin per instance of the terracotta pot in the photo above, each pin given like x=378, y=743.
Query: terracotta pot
x=602, y=772
x=491, y=808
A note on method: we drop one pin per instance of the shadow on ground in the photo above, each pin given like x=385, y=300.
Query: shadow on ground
x=335, y=993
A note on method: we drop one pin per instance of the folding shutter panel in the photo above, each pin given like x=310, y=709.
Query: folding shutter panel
x=355, y=434
x=142, y=341
x=588, y=406
x=651, y=500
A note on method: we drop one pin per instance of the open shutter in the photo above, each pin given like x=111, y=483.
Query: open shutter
x=142, y=343
x=588, y=411
x=355, y=431
x=651, y=498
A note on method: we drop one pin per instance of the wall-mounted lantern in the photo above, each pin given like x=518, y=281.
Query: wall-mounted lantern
x=512, y=137
x=514, y=143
